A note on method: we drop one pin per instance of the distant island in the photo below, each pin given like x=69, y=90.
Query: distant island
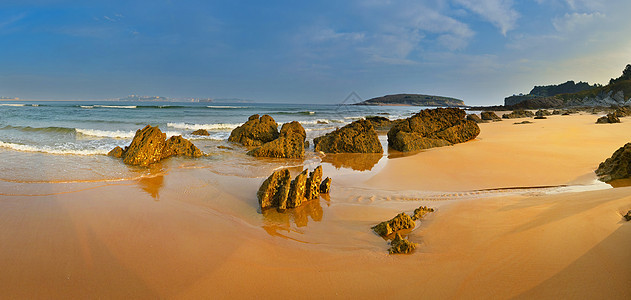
x=143, y=98
x=9, y=98
x=413, y=100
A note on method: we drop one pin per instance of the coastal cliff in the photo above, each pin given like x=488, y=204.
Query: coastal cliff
x=414, y=100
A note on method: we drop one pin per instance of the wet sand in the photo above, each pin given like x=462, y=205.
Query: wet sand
x=195, y=232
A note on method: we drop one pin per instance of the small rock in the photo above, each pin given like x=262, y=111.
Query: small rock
x=116, y=152
x=520, y=113
x=325, y=186
x=475, y=118
x=357, y=137
x=618, y=166
x=628, y=216
x=399, y=245
x=272, y=191
x=290, y=144
x=420, y=212
x=489, y=116
x=202, y=132
x=609, y=118
x=522, y=122
x=313, y=184
x=540, y=118
x=179, y=146
x=297, y=190
x=146, y=147
x=255, y=132
x=401, y=221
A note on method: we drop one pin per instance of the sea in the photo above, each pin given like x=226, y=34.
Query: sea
x=68, y=141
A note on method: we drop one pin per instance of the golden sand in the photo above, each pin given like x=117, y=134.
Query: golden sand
x=192, y=233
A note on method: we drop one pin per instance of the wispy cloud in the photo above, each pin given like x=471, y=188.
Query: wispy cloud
x=576, y=21
x=498, y=12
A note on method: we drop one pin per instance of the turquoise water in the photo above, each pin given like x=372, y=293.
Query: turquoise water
x=68, y=140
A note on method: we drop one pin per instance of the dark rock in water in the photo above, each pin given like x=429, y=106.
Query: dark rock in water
x=520, y=113
x=256, y=131
x=297, y=190
x=628, y=216
x=202, y=132
x=609, y=118
x=400, y=222
x=290, y=144
x=116, y=152
x=542, y=113
x=325, y=186
x=432, y=128
x=179, y=146
x=522, y=122
x=272, y=191
x=618, y=166
x=490, y=116
x=399, y=245
x=313, y=184
x=146, y=147
x=379, y=123
x=420, y=212
x=475, y=118
x=357, y=137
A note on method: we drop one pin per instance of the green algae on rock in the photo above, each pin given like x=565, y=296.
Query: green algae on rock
x=400, y=222
x=399, y=245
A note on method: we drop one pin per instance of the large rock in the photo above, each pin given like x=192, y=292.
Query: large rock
x=255, y=132
x=623, y=111
x=279, y=191
x=489, y=116
x=379, y=123
x=313, y=184
x=400, y=222
x=179, y=146
x=609, y=118
x=274, y=189
x=618, y=166
x=399, y=245
x=146, y=147
x=520, y=113
x=297, y=190
x=290, y=144
x=432, y=128
x=357, y=137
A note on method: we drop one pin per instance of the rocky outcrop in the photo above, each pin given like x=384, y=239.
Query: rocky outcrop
x=420, y=212
x=255, y=132
x=609, y=118
x=490, y=116
x=622, y=112
x=325, y=186
x=618, y=166
x=280, y=192
x=399, y=245
x=475, y=118
x=432, y=128
x=380, y=123
x=400, y=222
x=357, y=137
x=520, y=113
x=628, y=216
x=522, y=122
x=290, y=143
x=202, y=132
x=150, y=145
x=542, y=114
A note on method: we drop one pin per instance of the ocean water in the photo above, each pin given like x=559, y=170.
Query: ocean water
x=68, y=140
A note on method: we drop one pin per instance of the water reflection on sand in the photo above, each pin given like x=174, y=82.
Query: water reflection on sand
x=355, y=161
x=277, y=221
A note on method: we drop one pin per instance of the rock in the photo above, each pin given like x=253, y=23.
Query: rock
x=116, y=152
x=420, y=212
x=540, y=118
x=325, y=186
x=380, y=123
x=475, y=118
x=357, y=137
x=272, y=191
x=290, y=144
x=618, y=166
x=313, y=184
x=556, y=112
x=399, y=245
x=609, y=118
x=522, y=122
x=520, y=113
x=255, y=132
x=146, y=147
x=179, y=146
x=203, y=132
x=432, y=128
x=623, y=111
x=490, y=116
x=400, y=222
x=297, y=190
x=542, y=113
x=628, y=216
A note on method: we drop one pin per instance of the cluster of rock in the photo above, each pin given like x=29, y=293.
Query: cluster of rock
x=475, y=118
x=401, y=222
x=608, y=119
x=150, y=145
x=490, y=116
x=618, y=166
x=432, y=128
x=520, y=113
x=262, y=133
x=280, y=192
x=357, y=137
x=542, y=114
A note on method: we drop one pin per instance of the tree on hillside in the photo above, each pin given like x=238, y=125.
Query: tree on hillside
x=626, y=75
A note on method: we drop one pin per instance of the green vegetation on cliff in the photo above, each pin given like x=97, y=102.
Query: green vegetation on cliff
x=413, y=100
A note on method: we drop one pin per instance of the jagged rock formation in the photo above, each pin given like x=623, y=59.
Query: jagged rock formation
x=399, y=245
x=357, y=137
x=622, y=112
x=202, y=132
x=150, y=145
x=290, y=143
x=255, y=132
x=400, y=222
x=520, y=113
x=618, y=166
x=279, y=191
x=609, y=118
x=420, y=212
x=490, y=116
x=432, y=128
x=325, y=186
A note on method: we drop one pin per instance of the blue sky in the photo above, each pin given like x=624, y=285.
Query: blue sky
x=307, y=51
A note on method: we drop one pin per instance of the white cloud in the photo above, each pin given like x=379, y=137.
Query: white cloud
x=498, y=12
x=576, y=21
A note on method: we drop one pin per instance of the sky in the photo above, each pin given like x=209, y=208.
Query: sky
x=307, y=51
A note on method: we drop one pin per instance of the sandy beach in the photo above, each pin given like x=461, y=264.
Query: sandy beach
x=519, y=214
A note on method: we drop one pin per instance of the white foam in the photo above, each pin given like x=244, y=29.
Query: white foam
x=116, y=106
x=320, y=121
x=87, y=106
x=49, y=150
x=220, y=106
x=218, y=126
x=11, y=104
x=117, y=134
